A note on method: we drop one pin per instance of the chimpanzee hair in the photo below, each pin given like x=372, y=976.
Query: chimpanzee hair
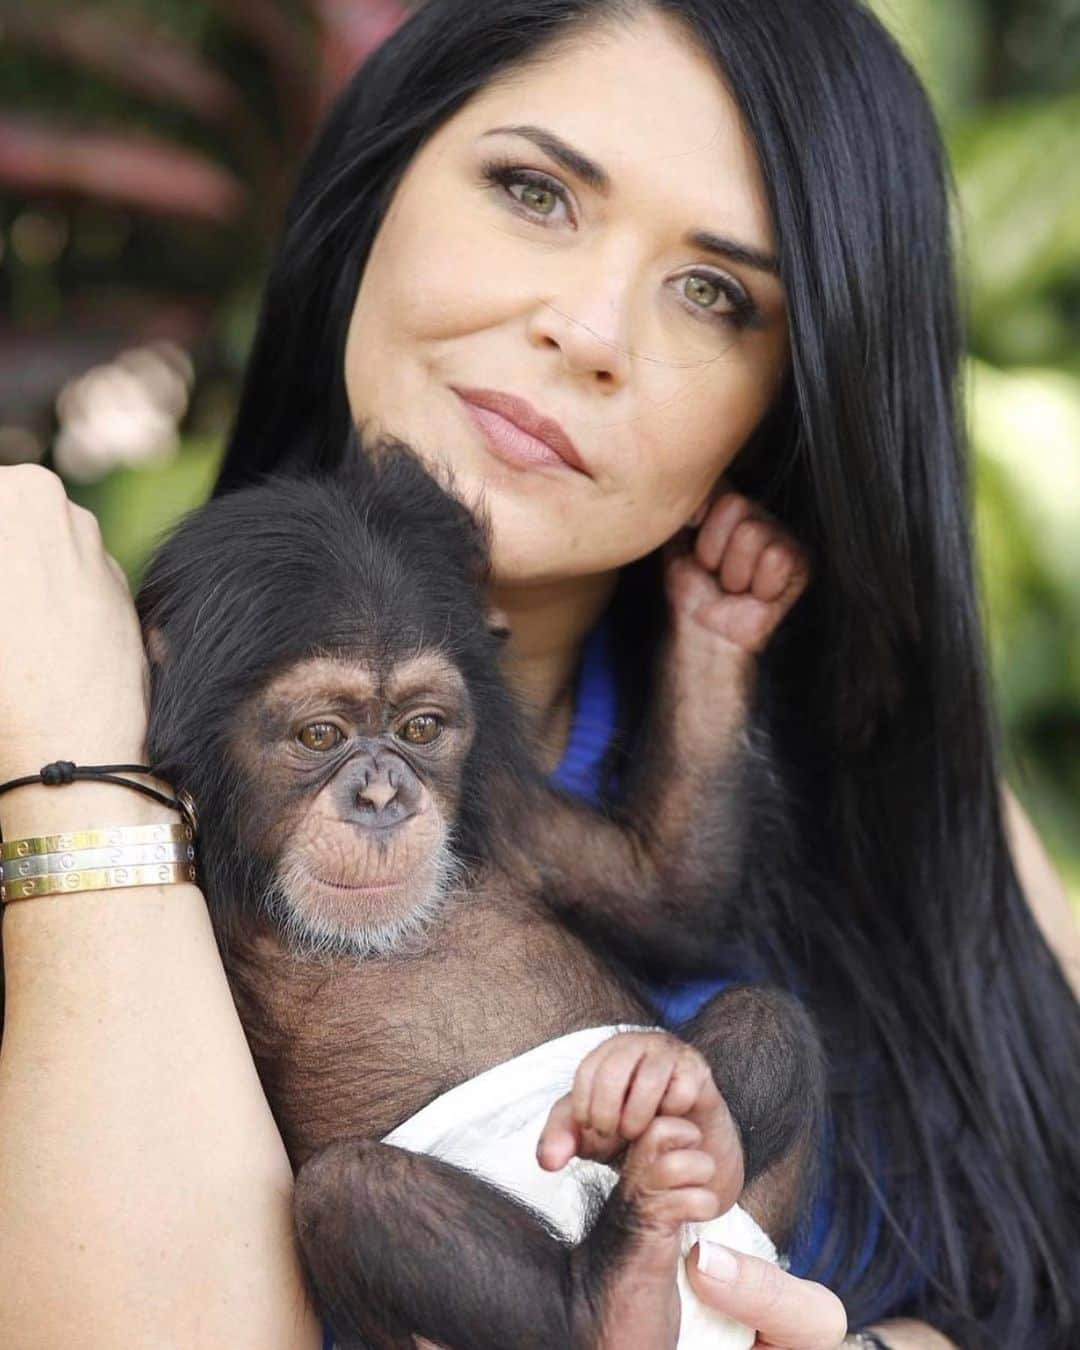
x=375, y=561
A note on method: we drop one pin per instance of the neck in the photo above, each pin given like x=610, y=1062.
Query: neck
x=548, y=625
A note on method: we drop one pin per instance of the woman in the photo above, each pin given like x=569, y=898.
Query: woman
x=806, y=352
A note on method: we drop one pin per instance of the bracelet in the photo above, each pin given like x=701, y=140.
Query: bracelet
x=93, y=860
x=96, y=879
x=865, y=1340
x=111, y=836
x=63, y=771
x=55, y=864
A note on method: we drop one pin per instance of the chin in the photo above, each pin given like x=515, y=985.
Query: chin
x=321, y=921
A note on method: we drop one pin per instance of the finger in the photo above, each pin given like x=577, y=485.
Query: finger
x=83, y=522
x=745, y=547
x=581, y=1091
x=786, y=1311
x=726, y=515
x=665, y=1134
x=647, y=1090
x=681, y=1167
x=610, y=1084
x=775, y=571
x=118, y=572
x=684, y=1087
x=559, y=1139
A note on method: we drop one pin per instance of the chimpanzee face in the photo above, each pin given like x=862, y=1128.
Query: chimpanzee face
x=352, y=775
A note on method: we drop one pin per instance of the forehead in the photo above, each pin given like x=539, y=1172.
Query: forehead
x=658, y=116
x=322, y=679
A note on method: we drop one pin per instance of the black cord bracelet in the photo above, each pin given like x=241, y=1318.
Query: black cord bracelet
x=63, y=771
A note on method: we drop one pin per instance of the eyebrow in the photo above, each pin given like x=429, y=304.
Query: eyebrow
x=598, y=178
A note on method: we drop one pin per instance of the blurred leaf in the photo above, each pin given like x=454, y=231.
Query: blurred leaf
x=128, y=169
x=136, y=506
x=1018, y=168
x=945, y=40
x=129, y=51
x=288, y=49
x=1028, y=424
x=349, y=33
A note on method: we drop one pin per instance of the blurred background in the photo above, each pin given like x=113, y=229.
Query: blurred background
x=146, y=151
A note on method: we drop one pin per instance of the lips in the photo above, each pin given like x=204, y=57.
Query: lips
x=524, y=416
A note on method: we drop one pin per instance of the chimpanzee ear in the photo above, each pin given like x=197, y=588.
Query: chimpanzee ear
x=498, y=623
x=156, y=649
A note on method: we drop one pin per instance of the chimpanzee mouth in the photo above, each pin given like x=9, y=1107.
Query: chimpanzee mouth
x=367, y=890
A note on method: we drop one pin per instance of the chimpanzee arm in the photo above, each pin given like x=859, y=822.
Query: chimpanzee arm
x=400, y=1244
x=659, y=882
x=767, y=1060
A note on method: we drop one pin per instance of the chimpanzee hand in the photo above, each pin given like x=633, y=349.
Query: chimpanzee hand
x=740, y=576
x=656, y=1093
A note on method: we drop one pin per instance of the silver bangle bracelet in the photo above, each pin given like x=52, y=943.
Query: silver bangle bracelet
x=56, y=864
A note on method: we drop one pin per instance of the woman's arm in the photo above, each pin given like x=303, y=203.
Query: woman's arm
x=144, y=1188
x=1044, y=890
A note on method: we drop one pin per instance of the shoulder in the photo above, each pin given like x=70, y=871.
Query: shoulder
x=1044, y=889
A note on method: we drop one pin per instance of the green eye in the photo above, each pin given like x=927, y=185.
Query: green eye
x=421, y=730
x=704, y=292
x=321, y=736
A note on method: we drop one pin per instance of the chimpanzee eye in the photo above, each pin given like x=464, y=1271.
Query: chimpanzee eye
x=320, y=736
x=422, y=730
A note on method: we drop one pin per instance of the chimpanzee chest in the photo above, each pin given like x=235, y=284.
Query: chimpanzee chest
x=355, y=1048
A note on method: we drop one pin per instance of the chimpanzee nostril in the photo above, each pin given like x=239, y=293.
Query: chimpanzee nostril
x=379, y=793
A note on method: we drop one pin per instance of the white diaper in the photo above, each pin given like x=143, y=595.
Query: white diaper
x=491, y=1125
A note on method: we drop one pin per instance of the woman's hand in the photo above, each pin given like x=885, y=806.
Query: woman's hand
x=789, y=1313
x=73, y=682
x=740, y=577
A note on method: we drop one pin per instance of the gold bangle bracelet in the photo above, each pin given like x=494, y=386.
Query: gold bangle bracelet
x=96, y=879
x=102, y=836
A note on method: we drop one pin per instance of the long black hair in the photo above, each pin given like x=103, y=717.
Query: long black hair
x=895, y=909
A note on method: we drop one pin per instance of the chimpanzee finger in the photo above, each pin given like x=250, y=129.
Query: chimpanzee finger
x=680, y=1167
x=726, y=515
x=747, y=543
x=613, y=1077
x=775, y=571
x=581, y=1088
x=647, y=1090
x=560, y=1139
x=584, y=1079
x=685, y=1086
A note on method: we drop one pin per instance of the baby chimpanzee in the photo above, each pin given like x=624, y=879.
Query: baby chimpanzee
x=434, y=954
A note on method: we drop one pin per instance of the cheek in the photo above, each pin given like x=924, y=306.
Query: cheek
x=425, y=279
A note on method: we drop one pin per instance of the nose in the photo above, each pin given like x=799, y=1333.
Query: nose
x=587, y=318
x=381, y=791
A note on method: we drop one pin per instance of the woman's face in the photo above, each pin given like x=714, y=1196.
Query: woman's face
x=580, y=291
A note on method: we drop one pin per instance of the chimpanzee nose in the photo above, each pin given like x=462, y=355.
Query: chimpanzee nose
x=384, y=793
x=378, y=793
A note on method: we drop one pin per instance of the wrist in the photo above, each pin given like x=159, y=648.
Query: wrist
x=35, y=809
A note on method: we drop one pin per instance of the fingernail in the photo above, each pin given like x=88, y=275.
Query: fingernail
x=717, y=1262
